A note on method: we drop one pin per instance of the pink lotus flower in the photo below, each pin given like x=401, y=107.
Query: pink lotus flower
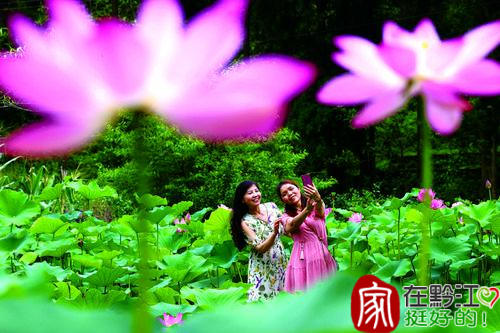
x=409, y=63
x=437, y=204
x=182, y=221
x=356, y=218
x=77, y=73
x=421, y=194
x=169, y=320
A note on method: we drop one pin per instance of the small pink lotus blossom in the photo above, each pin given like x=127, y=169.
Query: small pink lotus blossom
x=408, y=63
x=487, y=184
x=169, y=320
x=77, y=73
x=437, y=204
x=182, y=221
x=356, y=218
x=456, y=204
x=421, y=194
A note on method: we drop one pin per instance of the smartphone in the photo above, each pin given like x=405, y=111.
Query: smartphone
x=306, y=179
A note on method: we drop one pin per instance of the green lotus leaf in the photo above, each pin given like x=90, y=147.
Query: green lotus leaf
x=350, y=232
x=29, y=258
x=92, y=191
x=157, y=214
x=446, y=249
x=44, y=224
x=171, y=309
x=56, y=248
x=16, y=208
x=495, y=278
x=395, y=268
x=167, y=295
x=67, y=291
x=181, y=207
x=148, y=201
x=13, y=241
x=201, y=249
x=108, y=255
x=223, y=255
x=198, y=216
x=51, y=193
x=414, y=216
x=495, y=223
x=468, y=263
x=122, y=226
x=386, y=219
x=482, y=212
x=174, y=240
x=491, y=250
x=94, y=299
x=54, y=273
x=216, y=228
x=377, y=239
x=379, y=259
x=106, y=276
x=87, y=260
x=213, y=298
x=184, y=267
x=196, y=228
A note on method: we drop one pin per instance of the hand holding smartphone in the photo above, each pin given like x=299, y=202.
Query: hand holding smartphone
x=306, y=179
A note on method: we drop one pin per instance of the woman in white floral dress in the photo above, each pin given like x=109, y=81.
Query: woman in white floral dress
x=258, y=225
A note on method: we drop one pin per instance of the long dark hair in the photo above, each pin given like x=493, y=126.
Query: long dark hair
x=290, y=209
x=239, y=210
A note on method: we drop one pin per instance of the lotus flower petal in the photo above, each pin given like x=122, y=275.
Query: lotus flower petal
x=378, y=109
x=350, y=89
x=247, y=101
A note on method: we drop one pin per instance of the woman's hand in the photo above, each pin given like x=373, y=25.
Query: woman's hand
x=311, y=192
x=276, y=228
x=310, y=205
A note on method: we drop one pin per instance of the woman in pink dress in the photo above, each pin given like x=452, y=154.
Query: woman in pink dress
x=304, y=221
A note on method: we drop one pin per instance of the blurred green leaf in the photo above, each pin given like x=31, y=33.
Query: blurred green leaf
x=47, y=317
x=16, y=208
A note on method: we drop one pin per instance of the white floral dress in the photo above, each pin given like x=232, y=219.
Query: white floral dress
x=266, y=271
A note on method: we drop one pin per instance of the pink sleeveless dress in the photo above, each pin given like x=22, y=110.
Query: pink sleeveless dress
x=310, y=260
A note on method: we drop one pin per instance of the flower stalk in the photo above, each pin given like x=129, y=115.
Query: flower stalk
x=426, y=174
x=142, y=320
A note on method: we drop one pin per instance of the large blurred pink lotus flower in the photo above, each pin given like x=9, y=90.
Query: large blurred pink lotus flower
x=76, y=73
x=406, y=64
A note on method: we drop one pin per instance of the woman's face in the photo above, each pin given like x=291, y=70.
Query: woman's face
x=252, y=197
x=290, y=194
